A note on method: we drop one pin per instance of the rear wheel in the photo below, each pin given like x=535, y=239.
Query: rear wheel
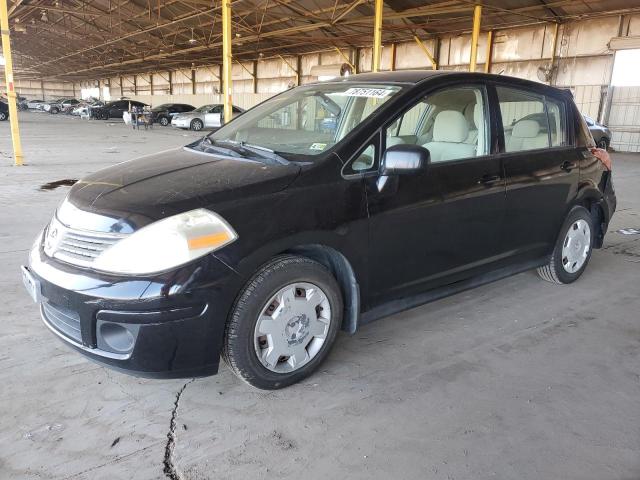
x=3, y=116
x=572, y=250
x=197, y=125
x=54, y=110
x=603, y=143
x=283, y=323
x=164, y=121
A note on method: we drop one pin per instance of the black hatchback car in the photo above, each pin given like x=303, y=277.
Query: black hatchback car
x=163, y=114
x=262, y=240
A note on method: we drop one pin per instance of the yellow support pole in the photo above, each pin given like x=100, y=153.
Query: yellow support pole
x=8, y=75
x=226, y=59
x=377, y=37
x=488, y=60
x=477, y=13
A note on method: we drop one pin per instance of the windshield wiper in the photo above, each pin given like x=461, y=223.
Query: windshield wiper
x=240, y=146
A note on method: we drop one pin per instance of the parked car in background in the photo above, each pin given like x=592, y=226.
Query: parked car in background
x=207, y=116
x=600, y=133
x=163, y=114
x=60, y=105
x=115, y=109
x=4, y=111
x=260, y=241
x=35, y=104
x=84, y=108
x=23, y=103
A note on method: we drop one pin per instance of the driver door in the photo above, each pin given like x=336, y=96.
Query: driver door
x=445, y=223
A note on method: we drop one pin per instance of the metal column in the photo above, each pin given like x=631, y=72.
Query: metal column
x=226, y=59
x=477, y=13
x=377, y=37
x=8, y=75
x=488, y=60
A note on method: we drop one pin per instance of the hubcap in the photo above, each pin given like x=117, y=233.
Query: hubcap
x=576, y=246
x=292, y=327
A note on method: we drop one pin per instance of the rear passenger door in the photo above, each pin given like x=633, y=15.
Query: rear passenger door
x=541, y=169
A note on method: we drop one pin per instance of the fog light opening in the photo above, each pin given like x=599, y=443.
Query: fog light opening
x=117, y=337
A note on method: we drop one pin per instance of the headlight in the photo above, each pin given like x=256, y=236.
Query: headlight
x=167, y=244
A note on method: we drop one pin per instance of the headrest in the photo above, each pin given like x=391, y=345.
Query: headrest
x=391, y=141
x=526, y=129
x=450, y=126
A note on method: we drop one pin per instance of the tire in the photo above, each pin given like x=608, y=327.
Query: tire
x=54, y=111
x=567, y=263
x=3, y=116
x=196, y=125
x=164, y=121
x=242, y=341
x=603, y=143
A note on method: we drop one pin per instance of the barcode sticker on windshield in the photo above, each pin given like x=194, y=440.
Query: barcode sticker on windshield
x=367, y=92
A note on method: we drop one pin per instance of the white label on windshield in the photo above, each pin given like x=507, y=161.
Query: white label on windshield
x=318, y=146
x=367, y=92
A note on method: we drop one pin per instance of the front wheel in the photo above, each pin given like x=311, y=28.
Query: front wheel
x=197, y=125
x=283, y=323
x=3, y=116
x=572, y=250
x=164, y=121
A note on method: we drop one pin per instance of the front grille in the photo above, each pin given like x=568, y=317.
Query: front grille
x=78, y=247
x=65, y=321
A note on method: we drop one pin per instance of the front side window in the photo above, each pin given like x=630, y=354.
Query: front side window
x=451, y=124
x=307, y=120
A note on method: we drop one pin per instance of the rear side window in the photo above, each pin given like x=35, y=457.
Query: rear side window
x=531, y=121
x=524, y=120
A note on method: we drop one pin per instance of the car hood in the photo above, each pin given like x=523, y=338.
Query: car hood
x=129, y=195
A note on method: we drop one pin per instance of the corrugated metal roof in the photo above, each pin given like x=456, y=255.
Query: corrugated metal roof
x=98, y=38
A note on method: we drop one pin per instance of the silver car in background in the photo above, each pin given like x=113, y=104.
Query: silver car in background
x=601, y=133
x=207, y=116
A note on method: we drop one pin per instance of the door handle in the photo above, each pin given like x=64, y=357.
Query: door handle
x=489, y=179
x=568, y=166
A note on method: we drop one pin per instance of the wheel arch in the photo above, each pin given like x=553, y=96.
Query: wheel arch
x=343, y=272
x=592, y=199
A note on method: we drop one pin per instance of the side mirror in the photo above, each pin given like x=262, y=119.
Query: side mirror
x=404, y=159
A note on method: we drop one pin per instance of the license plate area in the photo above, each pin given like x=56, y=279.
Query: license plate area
x=31, y=284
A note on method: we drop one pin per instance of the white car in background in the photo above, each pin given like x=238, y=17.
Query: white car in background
x=35, y=104
x=207, y=116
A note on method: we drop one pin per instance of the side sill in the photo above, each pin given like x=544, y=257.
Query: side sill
x=396, y=306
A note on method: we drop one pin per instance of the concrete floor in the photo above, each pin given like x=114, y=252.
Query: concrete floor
x=519, y=379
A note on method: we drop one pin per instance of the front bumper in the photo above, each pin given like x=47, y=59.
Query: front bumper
x=167, y=326
x=180, y=122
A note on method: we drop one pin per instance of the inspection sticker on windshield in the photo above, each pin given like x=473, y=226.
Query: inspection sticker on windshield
x=367, y=92
x=318, y=146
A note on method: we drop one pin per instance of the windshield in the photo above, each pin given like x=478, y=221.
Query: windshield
x=164, y=106
x=204, y=108
x=306, y=120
